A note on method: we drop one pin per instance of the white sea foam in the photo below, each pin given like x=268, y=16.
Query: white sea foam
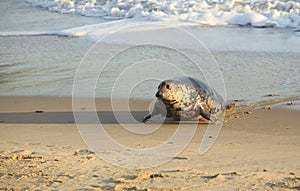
x=257, y=13
x=133, y=15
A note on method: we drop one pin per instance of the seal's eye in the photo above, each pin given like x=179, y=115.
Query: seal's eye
x=168, y=86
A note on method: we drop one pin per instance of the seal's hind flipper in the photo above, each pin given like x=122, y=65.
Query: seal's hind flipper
x=229, y=105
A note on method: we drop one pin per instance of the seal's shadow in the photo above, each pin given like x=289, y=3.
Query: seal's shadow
x=105, y=117
x=43, y=117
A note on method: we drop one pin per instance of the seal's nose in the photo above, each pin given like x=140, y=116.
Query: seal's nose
x=158, y=95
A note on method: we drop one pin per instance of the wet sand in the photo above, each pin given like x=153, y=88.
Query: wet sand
x=41, y=149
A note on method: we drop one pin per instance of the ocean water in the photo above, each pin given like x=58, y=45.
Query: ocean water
x=258, y=13
x=244, y=49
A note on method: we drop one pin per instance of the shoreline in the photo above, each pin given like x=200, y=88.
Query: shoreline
x=256, y=149
x=10, y=102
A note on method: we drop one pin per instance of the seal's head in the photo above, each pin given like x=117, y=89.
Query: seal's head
x=167, y=97
x=176, y=96
x=167, y=91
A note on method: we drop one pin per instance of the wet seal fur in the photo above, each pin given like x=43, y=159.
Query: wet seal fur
x=187, y=98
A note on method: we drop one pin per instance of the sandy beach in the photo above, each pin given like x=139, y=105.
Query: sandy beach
x=257, y=149
x=44, y=43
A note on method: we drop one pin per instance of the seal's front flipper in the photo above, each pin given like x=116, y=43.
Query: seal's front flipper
x=157, y=108
x=146, y=118
x=205, y=114
x=207, y=117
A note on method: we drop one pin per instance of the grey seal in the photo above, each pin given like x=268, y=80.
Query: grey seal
x=187, y=98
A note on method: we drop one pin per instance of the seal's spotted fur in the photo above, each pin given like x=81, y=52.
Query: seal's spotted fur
x=187, y=98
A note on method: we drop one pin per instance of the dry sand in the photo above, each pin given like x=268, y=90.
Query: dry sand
x=41, y=149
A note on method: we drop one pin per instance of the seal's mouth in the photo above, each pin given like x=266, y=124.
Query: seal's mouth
x=158, y=94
